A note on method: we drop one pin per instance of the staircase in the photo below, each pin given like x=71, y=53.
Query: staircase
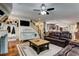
x=35, y=28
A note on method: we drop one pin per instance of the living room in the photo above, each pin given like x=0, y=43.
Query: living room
x=39, y=29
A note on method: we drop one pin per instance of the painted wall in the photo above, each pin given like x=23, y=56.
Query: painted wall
x=60, y=24
x=71, y=27
x=11, y=36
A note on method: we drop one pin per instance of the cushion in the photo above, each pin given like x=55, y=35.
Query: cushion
x=64, y=51
x=74, y=52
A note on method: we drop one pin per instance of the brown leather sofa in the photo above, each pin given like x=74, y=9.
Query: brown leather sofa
x=59, y=38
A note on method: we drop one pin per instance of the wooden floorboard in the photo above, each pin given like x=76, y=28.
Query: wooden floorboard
x=12, y=50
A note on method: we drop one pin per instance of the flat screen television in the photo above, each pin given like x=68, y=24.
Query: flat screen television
x=24, y=23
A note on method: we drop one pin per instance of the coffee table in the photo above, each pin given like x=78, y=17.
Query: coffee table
x=38, y=43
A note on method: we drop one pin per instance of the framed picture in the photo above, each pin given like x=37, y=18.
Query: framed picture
x=51, y=27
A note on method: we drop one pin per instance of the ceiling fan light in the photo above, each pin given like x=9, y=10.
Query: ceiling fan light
x=43, y=12
x=43, y=7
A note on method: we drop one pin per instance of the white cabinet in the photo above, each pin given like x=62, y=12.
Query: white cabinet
x=28, y=35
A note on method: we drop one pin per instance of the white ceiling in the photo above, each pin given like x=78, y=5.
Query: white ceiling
x=63, y=11
x=6, y=7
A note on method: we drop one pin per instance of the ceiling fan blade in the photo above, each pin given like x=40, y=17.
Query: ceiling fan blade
x=47, y=13
x=36, y=10
x=39, y=13
x=50, y=9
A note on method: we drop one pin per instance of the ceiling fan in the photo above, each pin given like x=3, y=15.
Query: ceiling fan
x=43, y=10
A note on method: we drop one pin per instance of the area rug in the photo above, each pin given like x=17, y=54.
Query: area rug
x=25, y=50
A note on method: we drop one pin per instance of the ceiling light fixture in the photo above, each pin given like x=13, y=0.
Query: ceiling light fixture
x=43, y=12
x=43, y=7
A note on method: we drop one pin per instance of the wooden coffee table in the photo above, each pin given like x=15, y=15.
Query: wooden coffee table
x=38, y=43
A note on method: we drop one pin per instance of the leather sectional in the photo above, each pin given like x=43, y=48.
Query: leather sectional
x=59, y=38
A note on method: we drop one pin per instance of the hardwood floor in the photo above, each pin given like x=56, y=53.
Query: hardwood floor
x=12, y=49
